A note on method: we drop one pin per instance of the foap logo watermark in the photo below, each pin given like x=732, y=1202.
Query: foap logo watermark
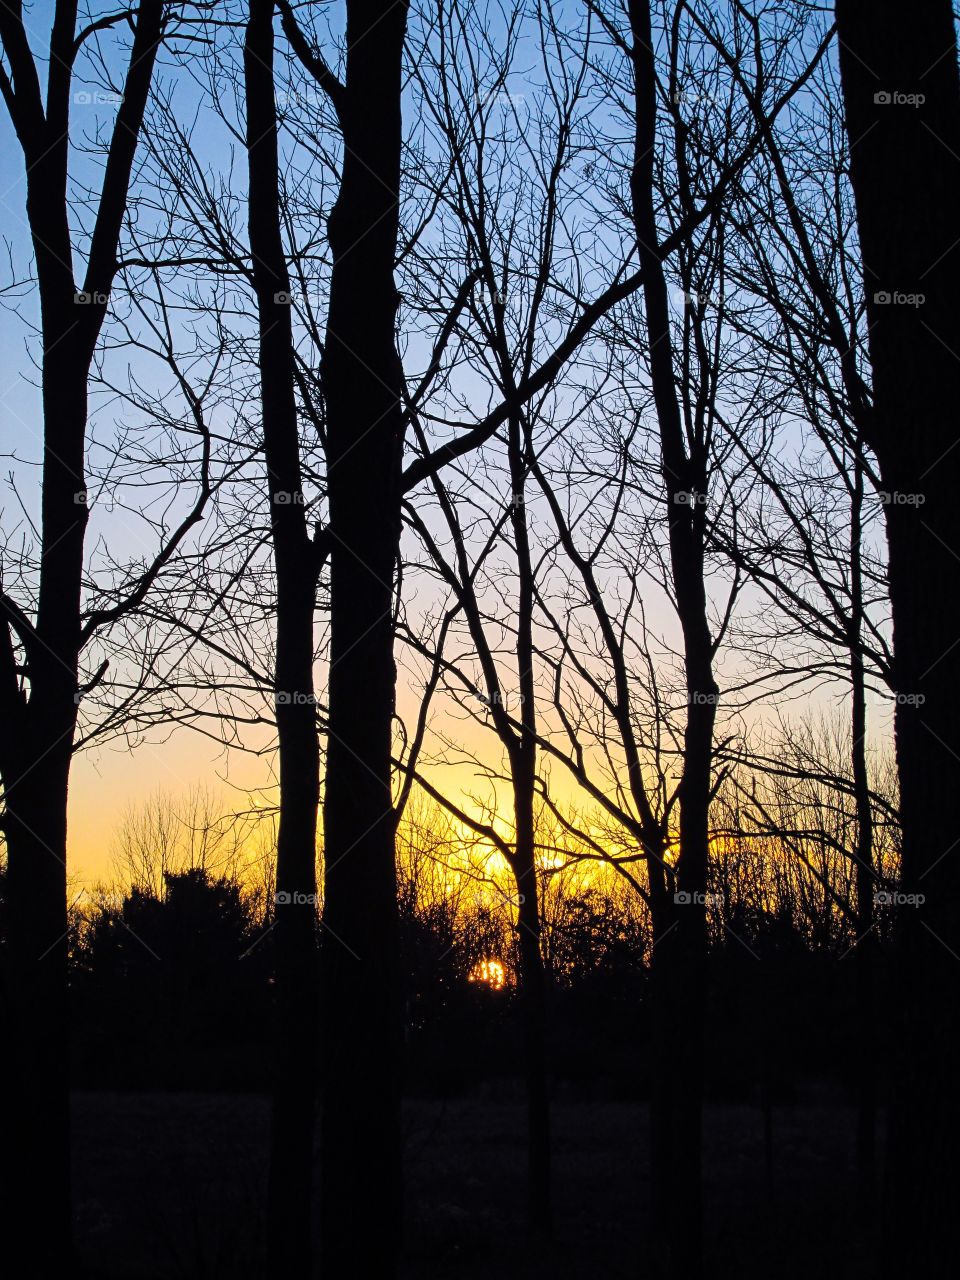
x=886, y=298
x=283, y=298
x=294, y=698
x=690, y=498
x=890, y=898
x=283, y=498
x=497, y=896
x=83, y=498
x=500, y=698
x=894, y=498
x=690, y=97
x=700, y=699
x=909, y=699
x=683, y=898
x=694, y=299
x=86, y=298
x=283, y=898
x=504, y=98
x=305, y=97
x=896, y=98
x=97, y=98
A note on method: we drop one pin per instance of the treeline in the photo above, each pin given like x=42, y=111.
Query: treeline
x=170, y=976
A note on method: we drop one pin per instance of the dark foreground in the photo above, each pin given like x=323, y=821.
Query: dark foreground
x=171, y=1186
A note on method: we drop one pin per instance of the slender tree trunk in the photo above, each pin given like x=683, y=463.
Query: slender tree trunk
x=289, y=1231
x=533, y=996
x=866, y=949
x=533, y=984
x=362, y=380
x=900, y=87
x=669, y=1095
x=680, y=958
x=678, y=973
x=520, y=744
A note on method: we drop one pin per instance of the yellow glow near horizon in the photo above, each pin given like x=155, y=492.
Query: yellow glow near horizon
x=491, y=972
x=105, y=784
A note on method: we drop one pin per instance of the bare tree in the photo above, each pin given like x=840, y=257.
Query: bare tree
x=363, y=398
x=679, y=959
x=297, y=563
x=808, y=539
x=900, y=90
x=513, y=157
x=364, y=432
x=41, y=640
x=177, y=833
x=672, y=466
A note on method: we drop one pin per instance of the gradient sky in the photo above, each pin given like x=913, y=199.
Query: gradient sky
x=108, y=780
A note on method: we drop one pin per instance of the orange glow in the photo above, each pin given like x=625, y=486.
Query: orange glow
x=492, y=972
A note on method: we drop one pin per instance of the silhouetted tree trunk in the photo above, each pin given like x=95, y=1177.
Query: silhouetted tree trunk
x=523, y=764
x=521, y=745
x=678, y=965
x=296, y=562
x=517, y=732
x=866, y=950
x=37, y=739
x=906, y=178
x=362, y=382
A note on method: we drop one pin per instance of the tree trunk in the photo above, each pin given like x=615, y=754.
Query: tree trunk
x=289, y=1232
x=866, y=949
x=533, y=997
x=37, y=1126
x=533, y=986
x=679, y=959
x=39, y=724
x=36, y=770
x=901, y=94
x=362, y=381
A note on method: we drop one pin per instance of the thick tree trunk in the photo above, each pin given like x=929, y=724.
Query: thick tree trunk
x=36, y=769
x=900, y=87
x=362, y=381
x=37, y=1126
x=289, y=1228
x=38, y=733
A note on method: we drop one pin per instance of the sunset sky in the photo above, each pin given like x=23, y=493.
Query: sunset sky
x=108, y=780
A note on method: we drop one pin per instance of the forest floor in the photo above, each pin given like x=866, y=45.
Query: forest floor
x=170, y=1187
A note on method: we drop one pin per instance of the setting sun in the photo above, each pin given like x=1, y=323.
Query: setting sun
x=492, y=972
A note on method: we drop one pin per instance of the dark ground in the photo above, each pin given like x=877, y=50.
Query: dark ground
x=170, y=1186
